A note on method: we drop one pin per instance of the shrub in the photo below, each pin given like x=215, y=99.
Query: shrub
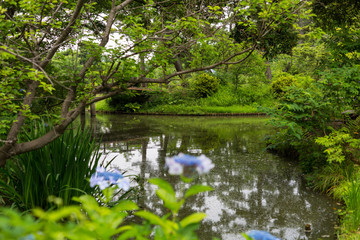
x=91, y=220
x=248, y=94
x=128, y=102
x=225, y=96
x=340, y=146
x=204, y=85
x=279, y=85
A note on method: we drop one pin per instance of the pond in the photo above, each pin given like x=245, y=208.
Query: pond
x=253, y=188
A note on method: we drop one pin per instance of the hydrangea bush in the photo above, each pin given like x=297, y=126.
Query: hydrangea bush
x=94, y=220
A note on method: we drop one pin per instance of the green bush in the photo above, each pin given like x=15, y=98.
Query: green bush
x=205, y=85
x=311, y=156
x=279, y=85
x=91, y=220
x=173, y=95
x=128, y=102
x=248, y=94
x=225, y=96
x=340, y=146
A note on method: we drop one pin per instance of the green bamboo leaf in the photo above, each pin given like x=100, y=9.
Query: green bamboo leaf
x=195, y=189
x=191, y=219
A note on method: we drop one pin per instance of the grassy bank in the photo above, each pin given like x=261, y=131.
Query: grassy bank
x=103, y=106
x=199, y=110
x=181, y=109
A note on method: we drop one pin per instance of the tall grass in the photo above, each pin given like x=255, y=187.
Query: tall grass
x=352, y=201
x=335, y=179
x=61, y=168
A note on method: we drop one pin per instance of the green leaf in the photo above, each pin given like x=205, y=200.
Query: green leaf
x=159, y=234
x=59, y=214
x=195, y=189
x=152, y=218
x=246, y=236
x=191, y=219
x=126, y=205
x=165, y=195
x=162, y=184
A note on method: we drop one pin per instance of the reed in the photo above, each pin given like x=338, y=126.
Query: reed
x=61, y=169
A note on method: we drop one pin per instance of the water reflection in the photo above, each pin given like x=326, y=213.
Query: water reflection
x=253, y=189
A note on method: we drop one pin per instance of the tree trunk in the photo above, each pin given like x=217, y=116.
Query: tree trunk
x=142, y=68
x=93, y=124
x=82, y=120
x=92, y=110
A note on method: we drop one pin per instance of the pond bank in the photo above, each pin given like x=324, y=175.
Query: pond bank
x=183, y=114
x=181, y=109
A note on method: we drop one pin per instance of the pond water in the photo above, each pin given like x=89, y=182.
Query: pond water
x=253, y=188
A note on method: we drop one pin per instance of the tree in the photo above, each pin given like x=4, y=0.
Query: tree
x=280, y=40
x=112, y=38
x=341, y=21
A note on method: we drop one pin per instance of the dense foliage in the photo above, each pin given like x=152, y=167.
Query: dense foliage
x=205, y=85
x=59, y=169
x=92, y=220
x=298, y=60
x=318, y=109
x=57, y=58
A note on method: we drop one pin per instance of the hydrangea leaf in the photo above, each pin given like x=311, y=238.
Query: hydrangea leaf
x=195, y=189
x=162, y=184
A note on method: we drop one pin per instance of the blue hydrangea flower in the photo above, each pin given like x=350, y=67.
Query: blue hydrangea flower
x=104, y=179
x=182, y=163
x=28, y=237
x=186, y=160
x=261, y=235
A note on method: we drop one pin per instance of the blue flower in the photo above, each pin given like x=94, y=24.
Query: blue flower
x=261, y=235
x=104, y=179
x=187, y=160
x=186, y=163
x=28, y=237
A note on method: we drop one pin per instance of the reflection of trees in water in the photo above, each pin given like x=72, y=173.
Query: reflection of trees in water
x=252, y=190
